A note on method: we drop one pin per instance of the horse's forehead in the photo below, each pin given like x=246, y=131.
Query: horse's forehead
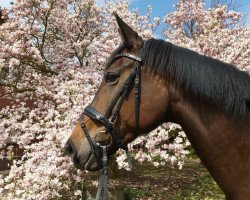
x=119, y=65
x=118, y=50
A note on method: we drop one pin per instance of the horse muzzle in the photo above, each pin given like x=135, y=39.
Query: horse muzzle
x=83, y=159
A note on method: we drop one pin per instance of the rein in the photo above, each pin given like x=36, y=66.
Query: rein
x=108, y=120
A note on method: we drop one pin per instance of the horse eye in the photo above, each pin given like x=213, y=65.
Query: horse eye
x=111, y=77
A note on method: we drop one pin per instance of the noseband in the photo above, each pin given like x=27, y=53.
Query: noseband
x=108, y=120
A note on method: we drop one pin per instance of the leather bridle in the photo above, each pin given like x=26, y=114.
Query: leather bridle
x=108, y=120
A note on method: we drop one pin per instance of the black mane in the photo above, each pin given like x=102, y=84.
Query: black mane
x=208, y=78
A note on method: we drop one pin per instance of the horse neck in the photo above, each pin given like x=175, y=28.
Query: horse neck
x=221, y=141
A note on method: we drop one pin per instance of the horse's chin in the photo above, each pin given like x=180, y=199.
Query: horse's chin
x=92, y=165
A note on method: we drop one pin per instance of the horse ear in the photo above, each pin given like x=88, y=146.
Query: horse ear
x=129, y=36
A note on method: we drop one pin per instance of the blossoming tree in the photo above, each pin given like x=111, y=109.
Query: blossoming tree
x=52, y=53
x=215, y=32
x=43, y=57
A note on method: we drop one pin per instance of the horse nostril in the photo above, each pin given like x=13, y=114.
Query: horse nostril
x=68, y=148
x=76, y=161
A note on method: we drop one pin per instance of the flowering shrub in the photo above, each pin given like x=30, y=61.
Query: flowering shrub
x=52, y=53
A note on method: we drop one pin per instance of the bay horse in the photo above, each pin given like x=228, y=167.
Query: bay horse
x=147, y=83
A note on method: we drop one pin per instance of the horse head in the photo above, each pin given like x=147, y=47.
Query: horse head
x=131, y=100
